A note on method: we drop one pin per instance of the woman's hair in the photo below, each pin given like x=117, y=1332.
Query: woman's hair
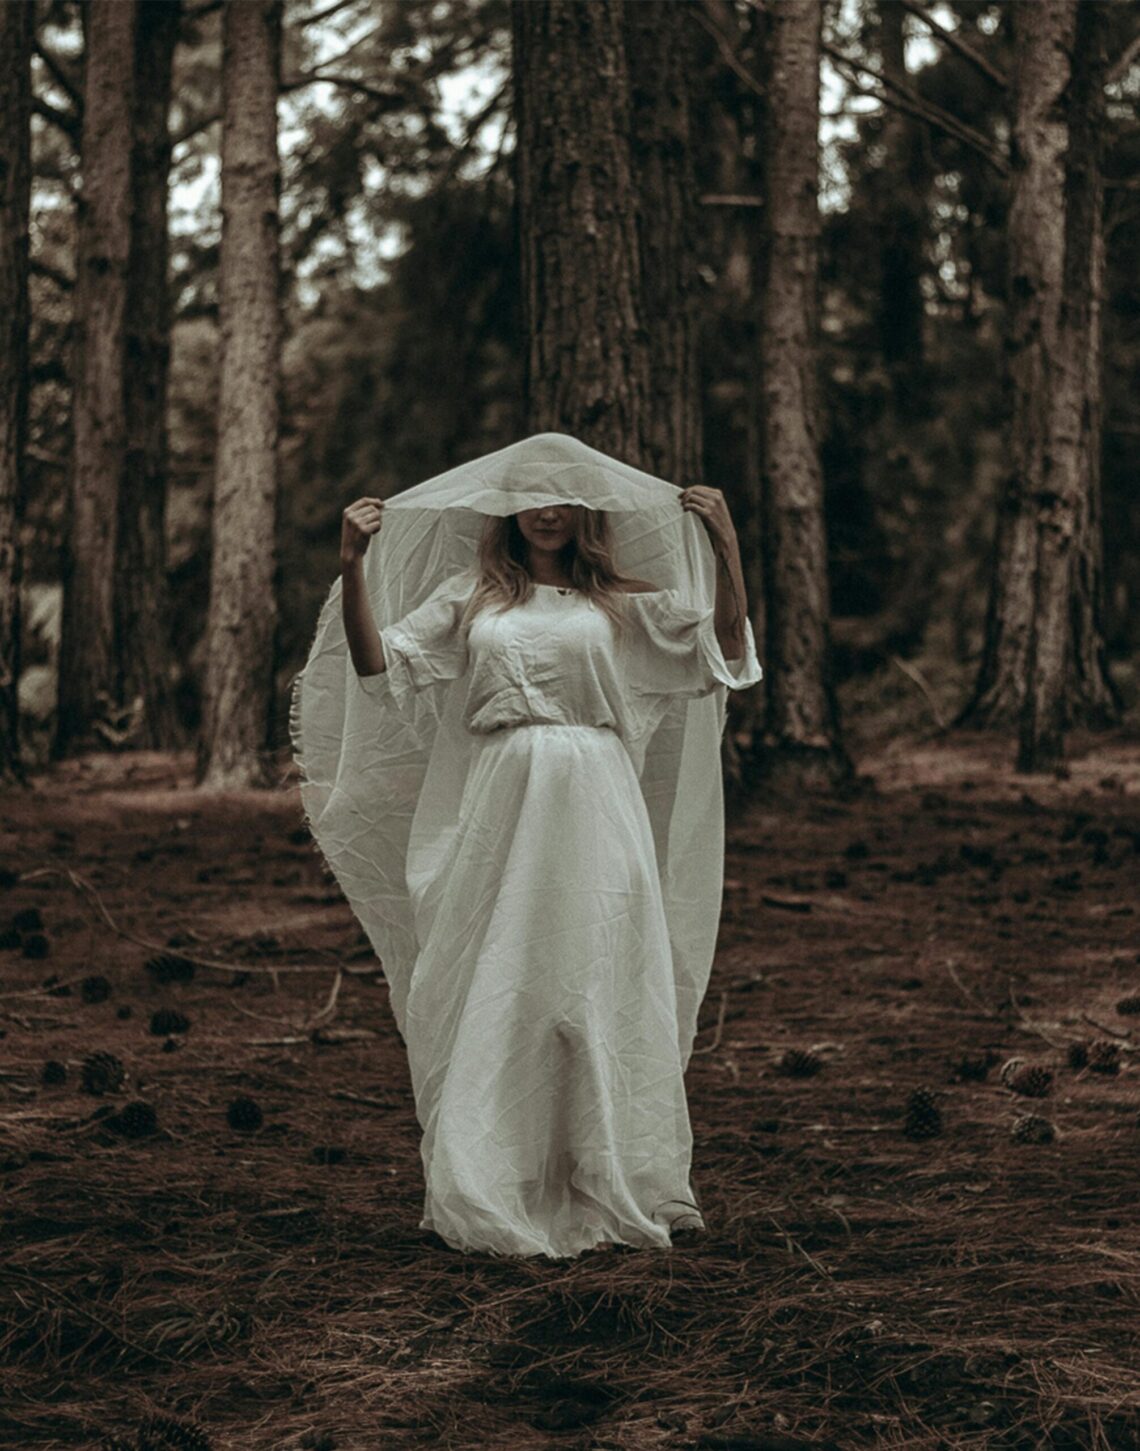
x=504, y=579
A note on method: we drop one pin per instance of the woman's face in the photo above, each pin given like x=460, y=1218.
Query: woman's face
x=549, y=528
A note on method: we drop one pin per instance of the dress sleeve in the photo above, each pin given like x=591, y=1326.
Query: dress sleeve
x=672, y=649
x=424, y=645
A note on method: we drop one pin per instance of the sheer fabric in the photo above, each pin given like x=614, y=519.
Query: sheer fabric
x=528, y=823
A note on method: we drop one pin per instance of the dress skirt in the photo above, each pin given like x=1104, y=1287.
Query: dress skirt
x=542, y=1022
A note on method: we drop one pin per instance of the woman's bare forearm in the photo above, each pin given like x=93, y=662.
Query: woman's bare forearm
x=731, y=601
x=359, y=625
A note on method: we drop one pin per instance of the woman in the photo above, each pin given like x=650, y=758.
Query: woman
x=546, y=992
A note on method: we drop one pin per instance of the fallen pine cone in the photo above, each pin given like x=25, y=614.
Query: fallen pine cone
x=1078, y=1055
x=95, y=989
x=53, y=1073
x=165, y=1021
x=160, y=1433
x=1031, y=1081
x=1104, y=1056
x=1031, y=1128
x=135, y=1120
x=167, y=967
x=1129, y=1007
x=923, y=1116
x=800, y=1063
x=244, y=1115
x=102, y=1073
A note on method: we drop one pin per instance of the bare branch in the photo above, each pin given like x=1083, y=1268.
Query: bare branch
x=955, y=42
x=391, y=99
x=727, y=54
x=908, y=100
x=60, y=76
x=1123, y=62
x=70, y=125
x=53, y=274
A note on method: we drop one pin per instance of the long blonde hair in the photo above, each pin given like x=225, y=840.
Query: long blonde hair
x=505, y=581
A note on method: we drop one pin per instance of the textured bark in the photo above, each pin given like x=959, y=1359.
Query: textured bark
x=802, y=727
x=241, y=628
x=140, y=583
x=661, y=156
x=1067, y=507
x=587, y=357
x=87, y=668
x=17, y=21
x=1043, y=33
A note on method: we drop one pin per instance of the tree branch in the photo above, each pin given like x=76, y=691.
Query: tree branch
x=908, y=100
x=62, y=79
x=1120, y=66
x=68, y=124
x=40, y=268
x=955, y=42
x=391, y=99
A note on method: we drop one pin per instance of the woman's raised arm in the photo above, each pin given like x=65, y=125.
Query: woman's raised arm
x=359, y=522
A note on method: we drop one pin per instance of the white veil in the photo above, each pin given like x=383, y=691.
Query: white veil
x=381, y=780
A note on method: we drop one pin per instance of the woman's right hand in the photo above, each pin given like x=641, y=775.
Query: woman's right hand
x=359, y=522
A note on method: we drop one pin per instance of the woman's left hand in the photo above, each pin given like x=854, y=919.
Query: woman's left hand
x=711, y=508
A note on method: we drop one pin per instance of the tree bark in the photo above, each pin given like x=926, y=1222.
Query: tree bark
x=87, y=667
x=802, y=727
x=587, y=366
x=241, y=628
x=140, y=582
x=664, y=187
x=1067, y=582
x=17, y=23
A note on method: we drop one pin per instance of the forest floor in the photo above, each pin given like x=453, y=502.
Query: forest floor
x=856, y=1287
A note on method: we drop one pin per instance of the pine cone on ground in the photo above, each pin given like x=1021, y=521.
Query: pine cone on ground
x=29, y=920
x=1104, y=1056
x=95, y=989
x=171, y=1045
x=923, y=1116
x=1031, y=1081
x=53, y=1072
x=9, y=939
x=1031, y=1128
x=165, y=1021
x=1078, y=1055
x=102, y=1073
x=167, y=967
x=1009, y=1068
x=244, y=1115
x=134, y=1121
x=972, y=1067
x=160, y=1433
x=35, y=945
x=800, y=1063
x=1129, y=1007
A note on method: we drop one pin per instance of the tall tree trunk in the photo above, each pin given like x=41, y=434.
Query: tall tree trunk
x=1047, y=318
x=587, y=359
x=241, y=628
x=1067, y=507
x=664, y=186
x=87, y=666
x=901, y=215
x=802, y=724
x=17, y=23
x=140, y=582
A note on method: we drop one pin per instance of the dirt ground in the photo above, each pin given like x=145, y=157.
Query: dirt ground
x=856, y=1288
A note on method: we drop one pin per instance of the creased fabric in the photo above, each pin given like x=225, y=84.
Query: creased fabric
x=529, y=824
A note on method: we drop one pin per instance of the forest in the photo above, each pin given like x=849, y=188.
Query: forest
x=867, y=266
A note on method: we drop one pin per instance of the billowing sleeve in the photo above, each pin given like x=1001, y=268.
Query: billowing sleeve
x=672, y=649
x=425, y=645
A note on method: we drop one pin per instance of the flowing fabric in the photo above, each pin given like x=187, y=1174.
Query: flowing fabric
x=528, y=822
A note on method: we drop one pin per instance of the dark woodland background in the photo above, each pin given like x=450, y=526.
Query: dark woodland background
x=875, y=403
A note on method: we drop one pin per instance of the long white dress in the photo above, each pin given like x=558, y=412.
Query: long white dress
x=546, y=1049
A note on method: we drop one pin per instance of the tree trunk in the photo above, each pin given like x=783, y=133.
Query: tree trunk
x=901, y=216
x=87, y=673
x=17, y=23
x=664, y=185
x=241, y=628
x=587, y=360
x=1040, y=373
x=802, y=727
x=140, y=582
x=1067, y=506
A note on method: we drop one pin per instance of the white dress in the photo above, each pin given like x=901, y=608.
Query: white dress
x=546, y=1049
